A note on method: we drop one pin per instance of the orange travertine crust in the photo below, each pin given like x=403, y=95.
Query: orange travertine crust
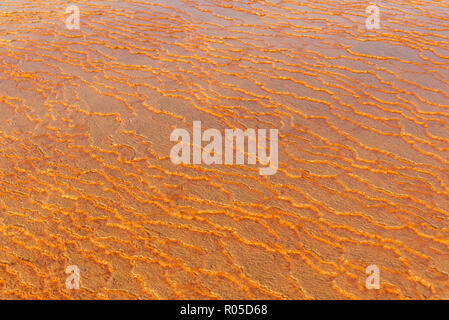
x=86, y=178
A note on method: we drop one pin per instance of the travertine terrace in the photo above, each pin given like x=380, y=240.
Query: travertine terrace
x=86, y=179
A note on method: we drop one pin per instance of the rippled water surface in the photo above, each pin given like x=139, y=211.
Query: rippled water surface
x=86, y=178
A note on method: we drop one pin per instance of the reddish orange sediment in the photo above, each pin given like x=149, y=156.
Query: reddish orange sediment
x=86, y=178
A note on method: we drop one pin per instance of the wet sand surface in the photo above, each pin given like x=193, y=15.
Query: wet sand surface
x=86, y=178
